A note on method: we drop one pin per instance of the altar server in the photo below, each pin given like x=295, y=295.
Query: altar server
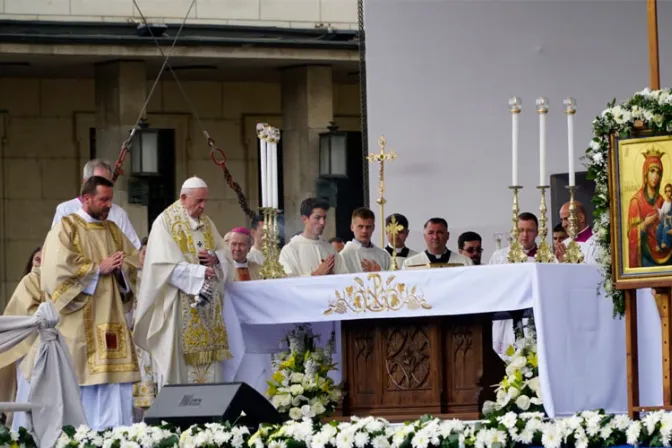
x=240, y=244
x=398, y=242
x=528, y=229
x=360, y=254
x=436, y=237
x=470, y=245
x=307, y=253
x=89, y=271
x=118, y=215
x=584, y=238
x=257, y=234
x=179, y=319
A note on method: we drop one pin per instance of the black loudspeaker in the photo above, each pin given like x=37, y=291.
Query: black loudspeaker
x=184, y=405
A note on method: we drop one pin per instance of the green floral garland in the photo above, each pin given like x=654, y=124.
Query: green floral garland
x=654, y=110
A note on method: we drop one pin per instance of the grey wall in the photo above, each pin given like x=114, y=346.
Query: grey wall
x=439, y=77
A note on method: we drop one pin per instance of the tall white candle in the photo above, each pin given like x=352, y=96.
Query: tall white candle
x=274, y=175
x=570, y=110
x=542, y=109
x=263, y=162
x=514, y=108
x=269, y=175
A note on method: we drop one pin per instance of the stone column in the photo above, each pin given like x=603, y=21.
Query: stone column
x=307, y=109
x=121, y=90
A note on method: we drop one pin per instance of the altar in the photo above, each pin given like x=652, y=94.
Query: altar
x=416, y=342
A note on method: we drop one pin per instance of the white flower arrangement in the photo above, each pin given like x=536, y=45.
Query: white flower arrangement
x=582, y=430
x=520, y=390
x=215, y=435
x=652, y=109
x=138, y=435
x=300, y=387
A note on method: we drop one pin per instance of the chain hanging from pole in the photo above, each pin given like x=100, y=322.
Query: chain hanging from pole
x=364, y=122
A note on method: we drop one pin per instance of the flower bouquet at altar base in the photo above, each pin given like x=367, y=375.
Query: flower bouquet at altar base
x=300, y=387
x=139, y=435
x=520, y=390
x=13, y=439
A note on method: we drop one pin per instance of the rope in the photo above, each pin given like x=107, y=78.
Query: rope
x=216, y=153
x=126, y=146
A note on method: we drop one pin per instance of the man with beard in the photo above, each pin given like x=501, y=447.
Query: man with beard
x=307, y=253
x=89, y=269
x=469, y=245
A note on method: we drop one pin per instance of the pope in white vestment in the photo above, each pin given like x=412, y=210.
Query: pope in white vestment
x=179, y=319
x=307, y=253
x=118, y=215
x=361, y=255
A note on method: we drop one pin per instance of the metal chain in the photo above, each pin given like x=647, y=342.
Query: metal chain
x=364, y=122
x=214, y=149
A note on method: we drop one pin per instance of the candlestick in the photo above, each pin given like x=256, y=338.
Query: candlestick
x=514, y=107
x=380, y=158
x=544, y=253
x=542, y=110
x=271, y=269
x=516, y=253
x=570, y=110
x=274, y=137
x=573, y=253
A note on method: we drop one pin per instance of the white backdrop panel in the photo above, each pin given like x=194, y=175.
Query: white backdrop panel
x=439, y=77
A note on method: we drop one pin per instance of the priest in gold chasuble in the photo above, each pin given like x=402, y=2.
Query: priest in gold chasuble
x=179, y=318
x=89, y=270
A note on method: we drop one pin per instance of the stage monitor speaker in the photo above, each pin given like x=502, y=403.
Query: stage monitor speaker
x=184, y=405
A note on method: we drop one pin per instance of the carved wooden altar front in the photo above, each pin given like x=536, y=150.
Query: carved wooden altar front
x=404, y=368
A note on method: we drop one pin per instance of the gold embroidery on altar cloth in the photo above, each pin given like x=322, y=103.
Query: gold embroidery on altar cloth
x=92, y=343
x=377, y=294
x=204, y=337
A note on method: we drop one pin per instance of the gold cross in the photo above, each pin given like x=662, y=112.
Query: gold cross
x=380, y=158
x=393, y=228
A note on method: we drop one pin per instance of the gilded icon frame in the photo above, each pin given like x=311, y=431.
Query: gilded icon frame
x=632, y=250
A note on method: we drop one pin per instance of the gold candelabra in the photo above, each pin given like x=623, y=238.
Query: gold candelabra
x=393, y=228
x=380, y=158
x=271, y=268
x=516, y=253
x=573, y=253
x=544, y=252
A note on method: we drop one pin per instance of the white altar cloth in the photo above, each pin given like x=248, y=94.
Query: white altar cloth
x=581, y=347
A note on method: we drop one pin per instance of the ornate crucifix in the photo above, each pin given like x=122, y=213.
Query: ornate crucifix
x=393, y=228
x=380, y=158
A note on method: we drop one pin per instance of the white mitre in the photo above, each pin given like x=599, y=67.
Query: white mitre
x=193, y=183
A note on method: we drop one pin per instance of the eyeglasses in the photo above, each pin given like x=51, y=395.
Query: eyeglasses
x=472, y=250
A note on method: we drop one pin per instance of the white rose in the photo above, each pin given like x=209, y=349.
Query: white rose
x=523, y=402
x=535, y=385
x=318, y=408
x=296, y=389
x=296, y=377
x=513, y=392
x=295, y=414
x=519, y=362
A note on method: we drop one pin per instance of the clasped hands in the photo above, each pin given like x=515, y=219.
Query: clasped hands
x=111, y=263
x=327, y=266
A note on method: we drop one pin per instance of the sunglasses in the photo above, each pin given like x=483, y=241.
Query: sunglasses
x=472, y=250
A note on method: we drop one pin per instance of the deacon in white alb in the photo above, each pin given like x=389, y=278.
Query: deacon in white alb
x=118, y=215
x=360, y=254
x=257, y=233
x=307, y=253
x=436, y=237
x=179, y=318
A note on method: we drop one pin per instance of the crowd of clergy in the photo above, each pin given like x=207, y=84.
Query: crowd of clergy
x=139, y=314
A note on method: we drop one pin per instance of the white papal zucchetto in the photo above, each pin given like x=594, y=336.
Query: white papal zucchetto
x=193, y=183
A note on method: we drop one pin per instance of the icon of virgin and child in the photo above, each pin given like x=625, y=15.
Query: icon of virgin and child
x=650, y=217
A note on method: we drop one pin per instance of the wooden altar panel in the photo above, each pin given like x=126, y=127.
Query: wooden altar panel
x=405, y=368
